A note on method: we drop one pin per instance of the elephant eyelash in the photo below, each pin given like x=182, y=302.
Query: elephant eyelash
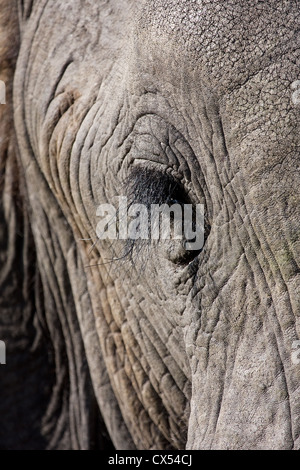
x=149, y=186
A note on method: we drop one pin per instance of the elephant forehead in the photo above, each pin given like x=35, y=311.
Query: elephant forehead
x=229, y=41
x=196, y=22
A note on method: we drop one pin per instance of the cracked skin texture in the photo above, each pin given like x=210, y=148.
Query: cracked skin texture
x=156, y=350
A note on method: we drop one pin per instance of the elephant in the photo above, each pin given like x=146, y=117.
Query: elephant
x=145, y=344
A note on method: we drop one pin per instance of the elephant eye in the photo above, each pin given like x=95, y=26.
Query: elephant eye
x=149, y=186
x=158, y=191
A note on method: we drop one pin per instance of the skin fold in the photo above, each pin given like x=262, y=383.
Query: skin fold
x=147, y=346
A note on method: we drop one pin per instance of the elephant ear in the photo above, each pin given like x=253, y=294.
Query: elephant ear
x=46, y=397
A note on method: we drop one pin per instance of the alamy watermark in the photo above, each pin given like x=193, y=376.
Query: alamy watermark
x=2, y=92
x=156, y=222
x=2, y=353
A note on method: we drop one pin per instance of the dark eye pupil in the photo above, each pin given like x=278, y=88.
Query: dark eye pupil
x=172, y=201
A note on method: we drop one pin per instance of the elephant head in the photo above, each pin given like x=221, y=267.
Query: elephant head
x=146, y=343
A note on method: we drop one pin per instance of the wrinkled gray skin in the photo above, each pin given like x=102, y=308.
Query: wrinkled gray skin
x=167, y=352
